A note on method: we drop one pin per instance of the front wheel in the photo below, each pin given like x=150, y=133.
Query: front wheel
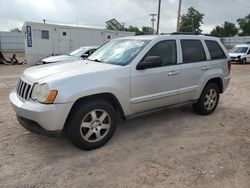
x=243, y=61
x=208, y=100
x=92, y=124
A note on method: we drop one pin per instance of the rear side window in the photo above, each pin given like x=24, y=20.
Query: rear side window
x=215, y=50
x=192, y=51
x=166, y=50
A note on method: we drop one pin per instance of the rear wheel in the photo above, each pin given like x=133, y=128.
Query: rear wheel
x=208, y=100
x=92, y=124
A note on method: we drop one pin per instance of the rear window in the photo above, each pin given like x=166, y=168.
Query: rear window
x=215, y=50
x=192, y=51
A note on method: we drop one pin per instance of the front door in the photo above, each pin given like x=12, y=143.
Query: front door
x=157, y=87
x=248, y=55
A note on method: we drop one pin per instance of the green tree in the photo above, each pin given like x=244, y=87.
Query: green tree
x=191, y=22
x=147, y=30
x=134, y=29
x=225, y=30
x=15, y=30
x=144, y=31
x=217, y=31
x=244, y=24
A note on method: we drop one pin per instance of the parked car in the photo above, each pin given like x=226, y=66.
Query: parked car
x=240, y=53
x=78, y=54
x=123, y=78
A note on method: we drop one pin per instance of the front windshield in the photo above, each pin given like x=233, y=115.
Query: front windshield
x=78, y=52
x=239, y=50
x=118, y=52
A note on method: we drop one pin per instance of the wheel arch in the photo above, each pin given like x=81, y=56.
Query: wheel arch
x=104, y=96
x=218, y=82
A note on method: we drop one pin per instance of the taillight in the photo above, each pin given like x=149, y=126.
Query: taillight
x=229, y=64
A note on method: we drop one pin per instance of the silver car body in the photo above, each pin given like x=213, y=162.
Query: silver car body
x=136, y=90
x=67, y=57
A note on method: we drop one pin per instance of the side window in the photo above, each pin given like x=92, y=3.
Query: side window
x=192, y=51
x=215, y=50
x=248, y=51
x=91, y=52
x=166, y=50
x=44, y=34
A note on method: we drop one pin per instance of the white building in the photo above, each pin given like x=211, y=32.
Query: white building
x=42, y=40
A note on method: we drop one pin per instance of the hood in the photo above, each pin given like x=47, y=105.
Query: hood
x=59, y=58
x=235, y=54
x=64, y=70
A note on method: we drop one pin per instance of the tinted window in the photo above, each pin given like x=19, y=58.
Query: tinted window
x=192, y=51
x=45, y=34
x=166, y=50
x=215, y=50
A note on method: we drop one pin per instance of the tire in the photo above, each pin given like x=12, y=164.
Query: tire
x=243, y=61
x=208, y=100
x=92, y=124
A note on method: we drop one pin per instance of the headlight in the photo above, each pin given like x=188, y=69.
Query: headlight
x=43, y=94
x=239, y=56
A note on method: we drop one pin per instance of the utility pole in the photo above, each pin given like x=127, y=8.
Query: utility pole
x=153, y=22
x=178, y=16
x=158, y=19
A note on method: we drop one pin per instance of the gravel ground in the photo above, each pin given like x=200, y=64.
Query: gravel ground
x=170, y=148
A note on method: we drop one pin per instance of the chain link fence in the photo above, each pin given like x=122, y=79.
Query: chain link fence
x=11, y=41
x=230, y=42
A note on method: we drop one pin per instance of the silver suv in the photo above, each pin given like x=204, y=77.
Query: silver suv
x=123, y=78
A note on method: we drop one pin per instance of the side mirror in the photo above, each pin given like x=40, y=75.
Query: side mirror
x=84, y=56
x=150, y=62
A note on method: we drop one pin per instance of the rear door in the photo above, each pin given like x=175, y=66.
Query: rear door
x=194, y=64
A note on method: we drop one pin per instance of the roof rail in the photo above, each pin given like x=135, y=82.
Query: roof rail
x=185, y=33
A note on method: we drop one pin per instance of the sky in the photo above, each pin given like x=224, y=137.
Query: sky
x=94, y=13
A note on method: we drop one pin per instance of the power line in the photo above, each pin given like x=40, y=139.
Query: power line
x=240, y=3
x=139, y=18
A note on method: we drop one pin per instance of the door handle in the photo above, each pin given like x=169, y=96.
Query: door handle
x=172, y=73
x=205, y=67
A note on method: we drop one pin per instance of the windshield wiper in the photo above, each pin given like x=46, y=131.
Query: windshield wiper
x=96, y=60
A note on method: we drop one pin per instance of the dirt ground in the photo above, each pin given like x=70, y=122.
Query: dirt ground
x=170, y=148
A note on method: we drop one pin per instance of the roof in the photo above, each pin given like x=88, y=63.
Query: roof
x=242, y=45
x=71, y=26
x=152, y=37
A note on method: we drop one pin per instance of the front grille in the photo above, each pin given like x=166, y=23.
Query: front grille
x=24, y=90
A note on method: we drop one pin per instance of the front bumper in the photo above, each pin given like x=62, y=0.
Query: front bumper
x=50, y=117
x=236, y=59
x=34, y=127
